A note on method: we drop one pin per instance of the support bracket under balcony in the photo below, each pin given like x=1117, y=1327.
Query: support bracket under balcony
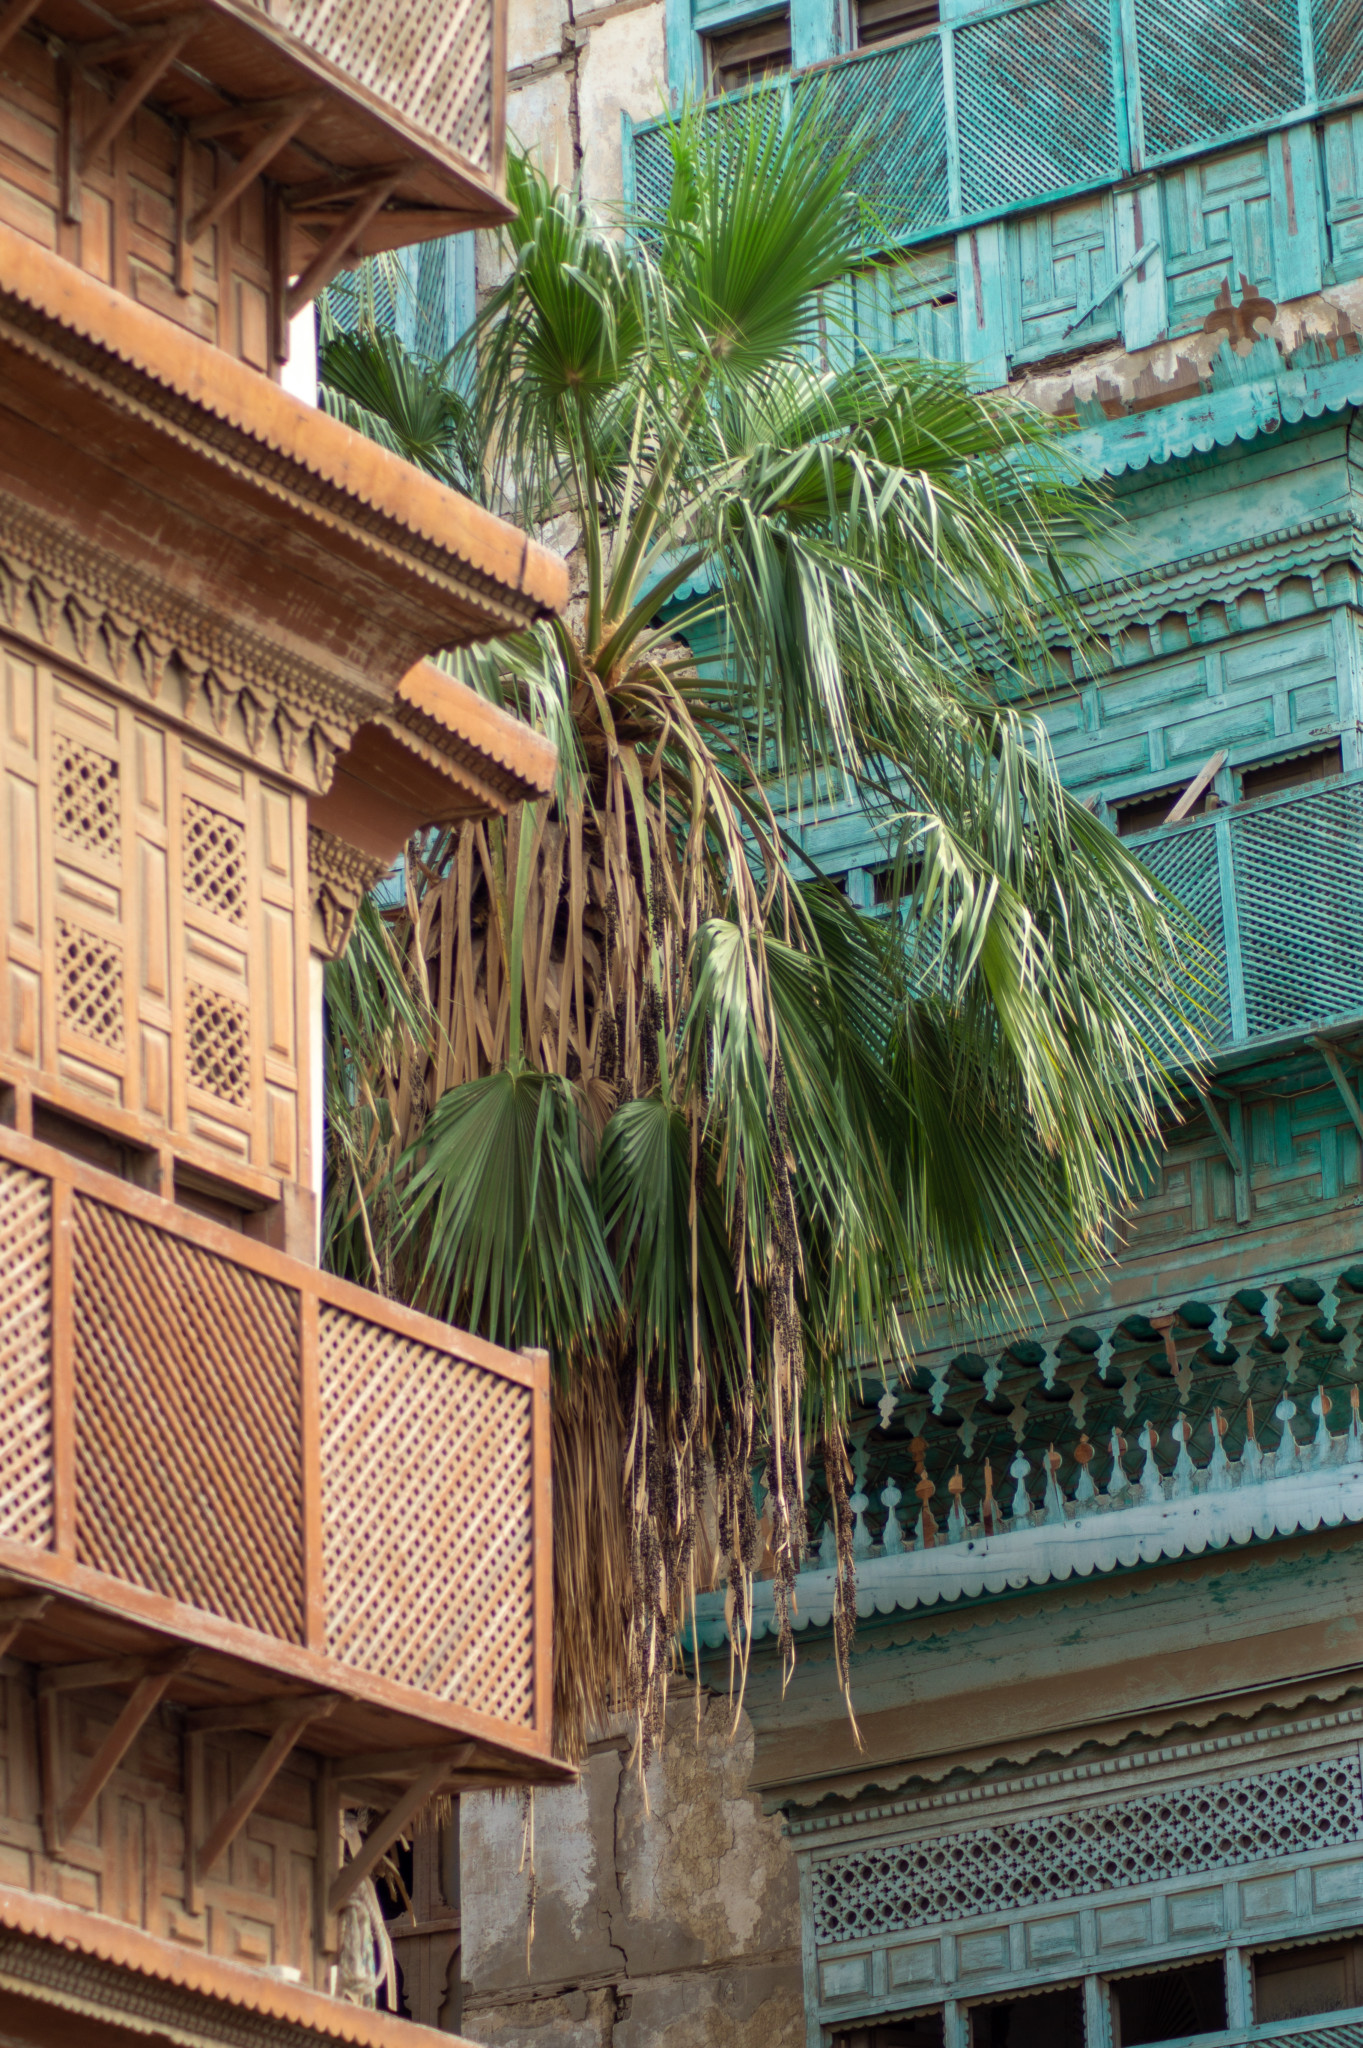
x=1233, y=1152
x=1347, y=1093
x=338, y=1881
x=281, y=120
x=285, y=1721
x=151, y=1679
x=367, y=197
x=14, y=1613
x=13, y=18
x=159, y=44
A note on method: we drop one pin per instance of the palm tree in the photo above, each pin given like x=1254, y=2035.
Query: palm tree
x=625, y=1076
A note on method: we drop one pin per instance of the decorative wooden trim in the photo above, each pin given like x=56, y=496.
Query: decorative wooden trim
x=162, y=42
x=339, y=876
x=288, y=119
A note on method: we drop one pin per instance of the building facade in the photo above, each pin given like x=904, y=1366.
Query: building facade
x=274, y=1553
x=1109, y=1672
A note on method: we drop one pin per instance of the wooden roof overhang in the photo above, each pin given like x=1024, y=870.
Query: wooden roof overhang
x=336, y=565
x=381, y=129
x=63, y=1969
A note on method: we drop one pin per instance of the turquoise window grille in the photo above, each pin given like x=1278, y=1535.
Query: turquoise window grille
x=1047, y=99
x=1277, y=888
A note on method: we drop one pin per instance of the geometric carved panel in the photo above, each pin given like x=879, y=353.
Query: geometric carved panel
x=214, y=853
x=86, y=798
x=429, y=1581
x=218, y=1054
x=26, y=1355
x=1159, y=1835
x=90, y=983
x=188, y=1423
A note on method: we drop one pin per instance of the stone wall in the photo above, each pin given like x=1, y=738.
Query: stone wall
x=666, y=1915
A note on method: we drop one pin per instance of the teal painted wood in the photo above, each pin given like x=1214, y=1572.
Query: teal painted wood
x=1052, y=98
x=981, y=272
x=1297, y=212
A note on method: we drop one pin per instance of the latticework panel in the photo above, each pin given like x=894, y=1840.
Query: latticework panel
x=895, y=99
x=86, y=805
x=26, y=1355
x=1213, y=67
x=90, y=983
x=1034, y=103
x=427, y=1518
x=652, y=171
x=213, y=852
x=218, y=1044
x=431, y=59
x=1098, y=1848
x=1187, y=863
x=1299, y=906
x=188, y=1423
x=1337, y=28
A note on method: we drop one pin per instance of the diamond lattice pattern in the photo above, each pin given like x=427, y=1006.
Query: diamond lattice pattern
x=427, y=1518
x=214, y=861
x=1338, y=29
x=219, y=1044
x=895, y=98
x=881, y=1890
x=1034, y=101
x=188, y=1423
x=1300, y=970
x=1214, y=67
x=432, y=59
x=85, y=797
x=90, y=983
x=1188, y=863
x=26, y=1355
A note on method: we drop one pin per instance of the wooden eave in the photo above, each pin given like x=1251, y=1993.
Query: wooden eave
x=238, y=57
x=67, y=1960
x=164, y=453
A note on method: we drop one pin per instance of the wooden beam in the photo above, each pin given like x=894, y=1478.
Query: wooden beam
x=387, y=1763
x=157, y=61
x=1196, y=787
x=250, y=167
x=125, y=40
x=110, y=1671
x=1223, y=1136
x=63, y=1816
x=336, y=249
x=14, y=1614
x=13, y=17
x=248, y=114
x=259, y=1716
x=257, y=1782
x=386, y=1831
x=330, y=191
x=1341, y=1081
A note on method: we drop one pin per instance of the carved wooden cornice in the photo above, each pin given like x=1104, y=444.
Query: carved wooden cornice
x=73, y=602
x=339, y=876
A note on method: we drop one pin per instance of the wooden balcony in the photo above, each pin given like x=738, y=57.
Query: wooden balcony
x=288, y=1487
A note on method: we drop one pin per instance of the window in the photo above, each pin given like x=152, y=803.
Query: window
x=885, y=21
x=743, y=56
x=1166, y=2005
x=914, y=2030
x=1292, y=1983
x=1042, y=2019
x=1145, y=813
x=1269, y=778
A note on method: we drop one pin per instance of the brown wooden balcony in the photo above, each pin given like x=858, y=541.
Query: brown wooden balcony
x=291, y=1487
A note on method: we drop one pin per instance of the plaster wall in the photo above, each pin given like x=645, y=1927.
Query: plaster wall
x=665, y=1915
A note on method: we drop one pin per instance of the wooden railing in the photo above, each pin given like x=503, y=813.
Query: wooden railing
x=246, y=1453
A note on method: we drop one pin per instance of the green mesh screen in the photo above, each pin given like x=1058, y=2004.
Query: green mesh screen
x=1034, y=103
x=1212, y=67
x=1299, y=900
x=1337, y=31
x=652, y=171
x=893, y=99
x=1187, y=863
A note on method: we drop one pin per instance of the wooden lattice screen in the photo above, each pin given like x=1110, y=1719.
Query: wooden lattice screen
x=431, y=59
x=191, y=1415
